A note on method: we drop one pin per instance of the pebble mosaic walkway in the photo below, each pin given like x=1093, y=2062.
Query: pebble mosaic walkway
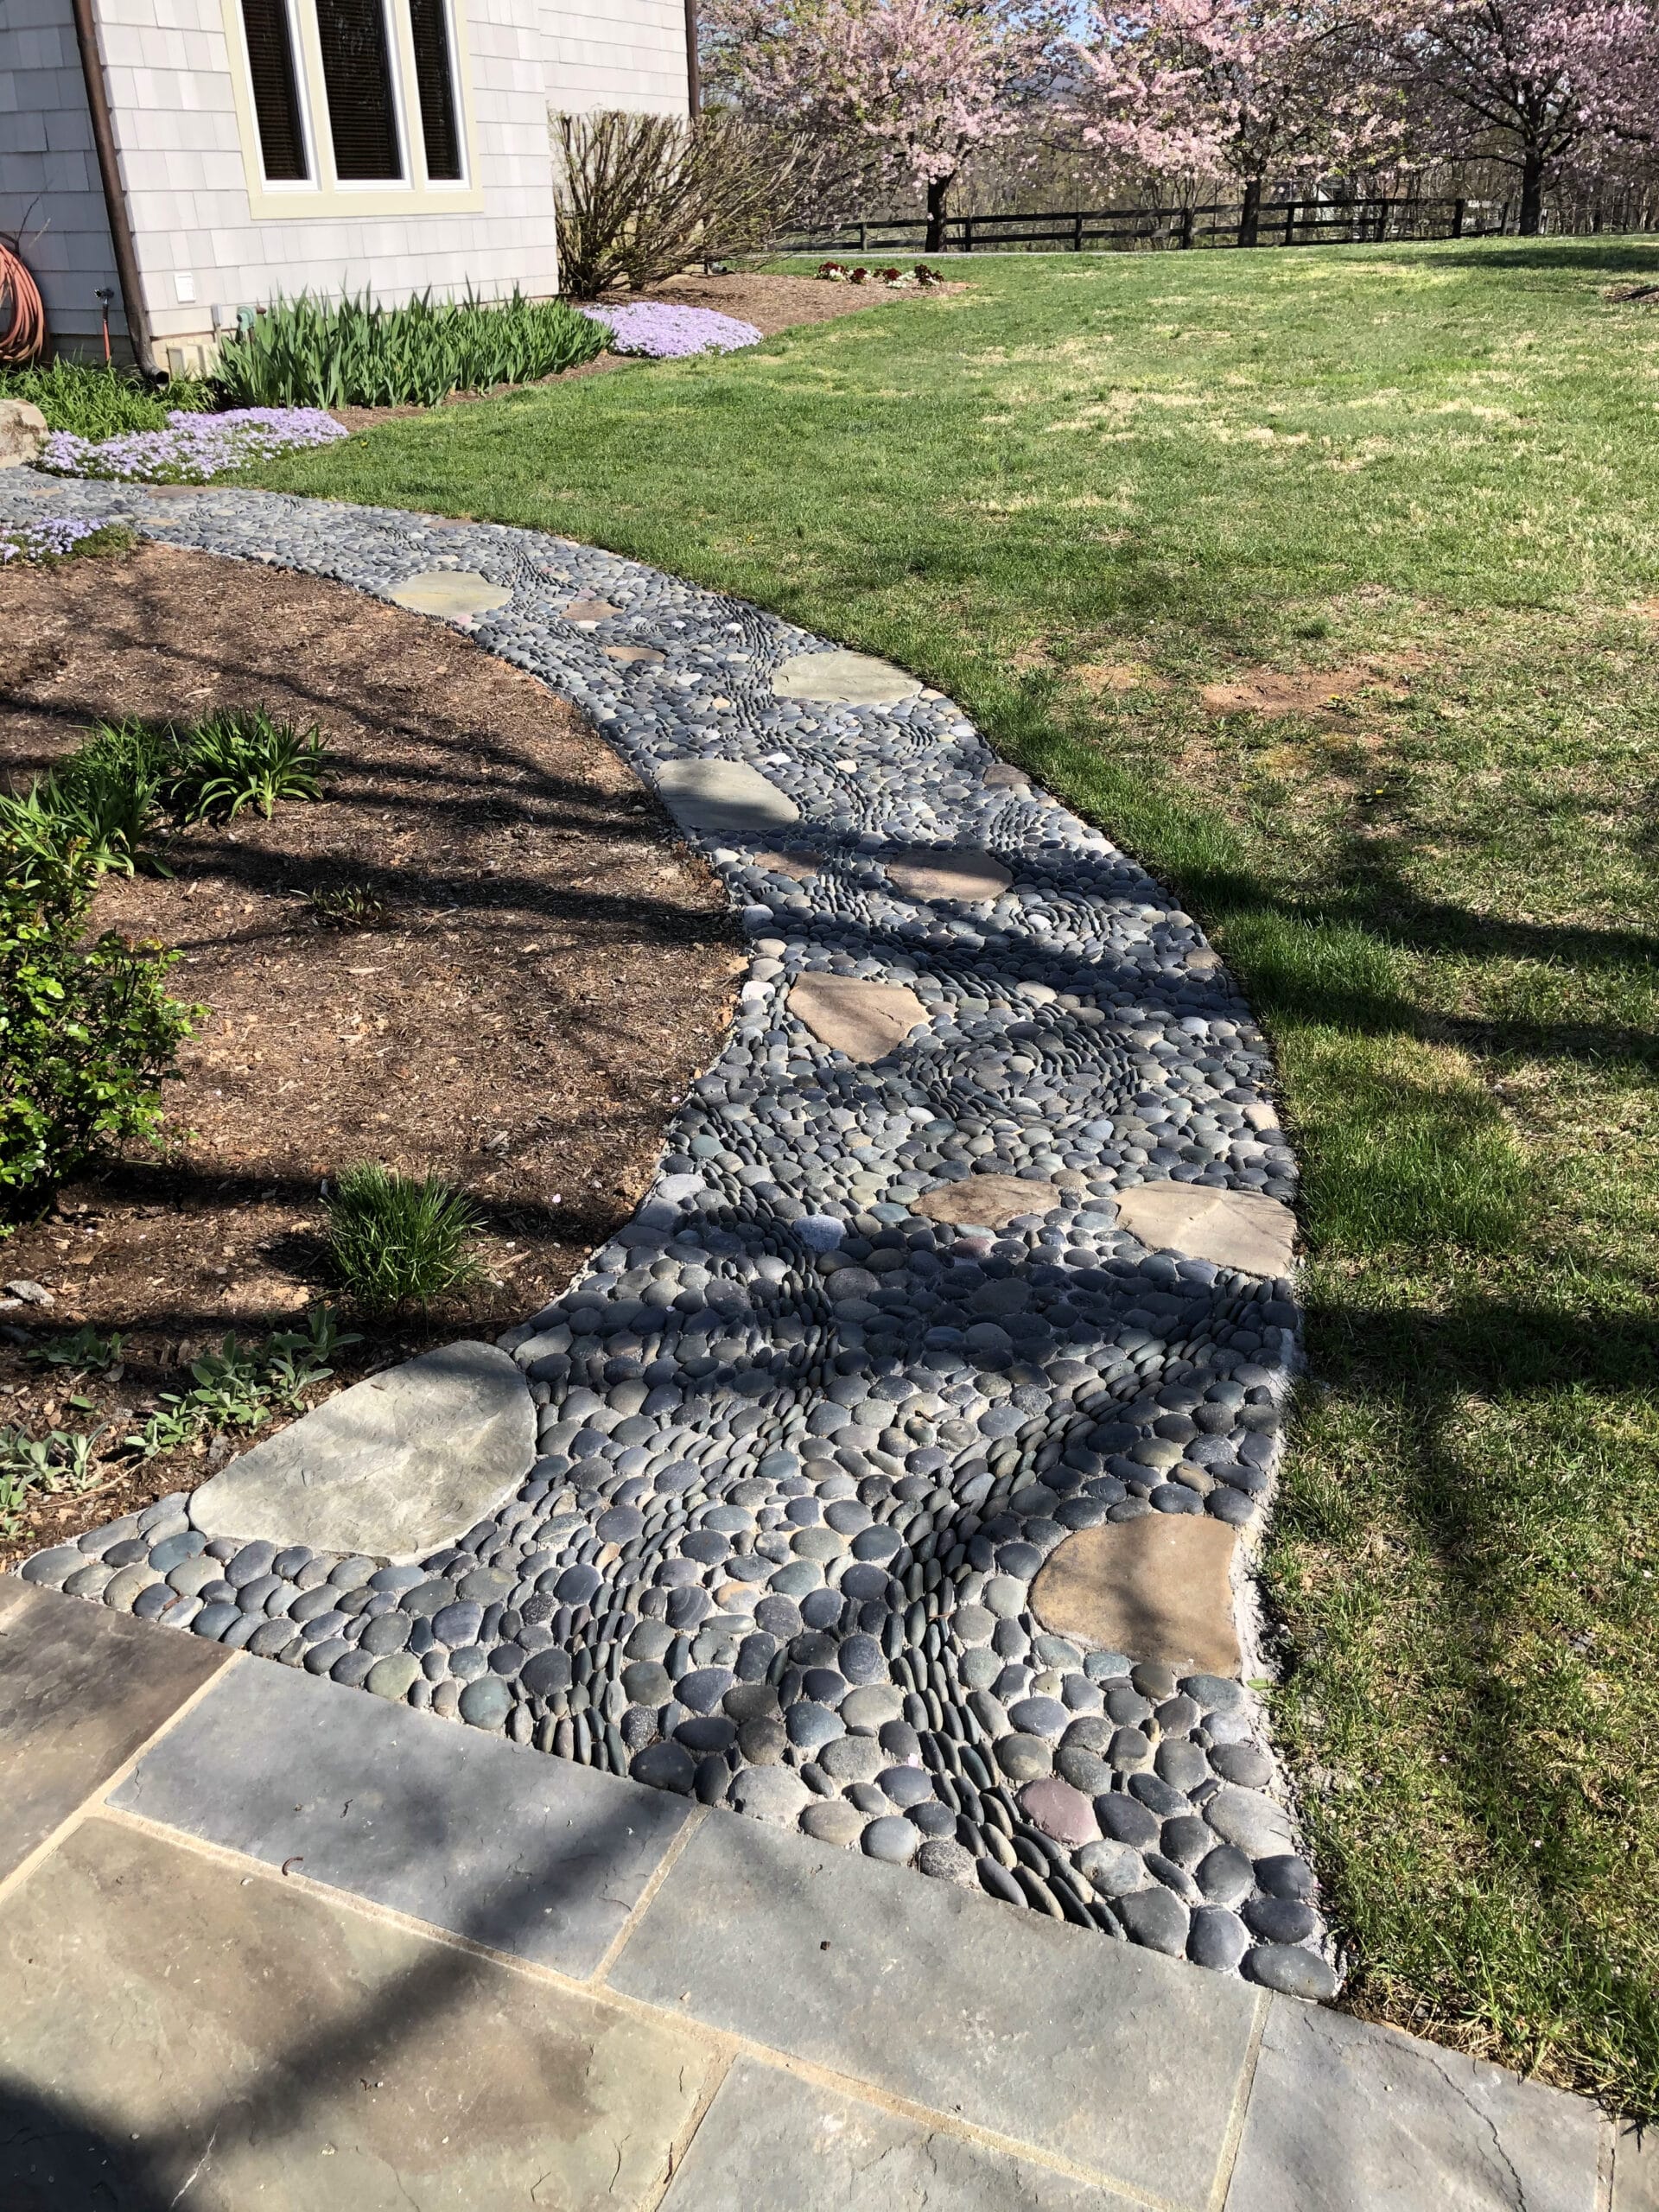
x=878, y=1345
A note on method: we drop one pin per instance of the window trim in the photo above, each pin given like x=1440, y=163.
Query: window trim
x=325, y=194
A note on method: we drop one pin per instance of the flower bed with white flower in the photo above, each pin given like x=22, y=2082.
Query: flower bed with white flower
x=663, y=332
x=193, y=448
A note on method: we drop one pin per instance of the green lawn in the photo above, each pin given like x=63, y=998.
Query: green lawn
x=1073, y=494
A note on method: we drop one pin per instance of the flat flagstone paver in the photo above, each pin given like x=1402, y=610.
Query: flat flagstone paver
x=1635, y=2169
x=447, y=1825
x=969, y=878
x=1124, y=2063
x=842, y=679
x=772, y=2141
x=408, y=1459
x=989, y=1201
x=1344, y=2117
x=79, y=1692
x=1235, y=1229
x=725, y=798
x=239, y=2041
x=804, y=1434
x=865, y=1020
x=1157, y=1588
x=458, y=594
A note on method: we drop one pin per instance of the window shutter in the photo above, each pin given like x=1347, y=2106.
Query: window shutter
x=434, y=76
x=357, y=69
x=276, y=91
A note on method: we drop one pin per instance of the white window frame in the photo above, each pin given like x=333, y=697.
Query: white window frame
x=309, y=182
x=326, y=193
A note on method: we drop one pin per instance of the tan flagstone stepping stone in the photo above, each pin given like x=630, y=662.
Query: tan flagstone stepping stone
x=1233, y=1229
x=725, y=798
x=393, y=1467
x=633, y=653
x=590, y=610
x=801, y=866
x=987, y=1201
x=457, y=594
x=844, y=679
x=1002, y=775
x=968, y=878
x=865, y=1020
x=1155, y=1587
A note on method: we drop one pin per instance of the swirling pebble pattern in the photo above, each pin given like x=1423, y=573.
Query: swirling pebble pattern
x=803, y=1448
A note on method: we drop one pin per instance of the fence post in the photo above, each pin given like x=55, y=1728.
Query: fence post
x=1077, y=232
x=1290, y=223
x=967, y=233
x=861, y=234
x=1187, y=226
x=1458, y=207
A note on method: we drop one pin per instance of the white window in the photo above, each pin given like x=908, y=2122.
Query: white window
x=385, y=79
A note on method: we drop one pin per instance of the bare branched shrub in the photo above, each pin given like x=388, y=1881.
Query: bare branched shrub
x=641, y=196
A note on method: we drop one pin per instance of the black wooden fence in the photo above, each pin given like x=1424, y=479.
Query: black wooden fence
x=1286, y=222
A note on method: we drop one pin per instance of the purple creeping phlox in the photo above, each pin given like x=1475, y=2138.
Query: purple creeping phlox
x=667, y=333
x=50, y=539
x=193, y=448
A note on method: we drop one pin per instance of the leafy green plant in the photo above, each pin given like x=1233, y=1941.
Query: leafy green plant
x=399, y=1240
x=243, y=757
x=94, y=400
x=348, y=906
x=35, y=1466
x=240, y=1386
x=103, y=799
x=307, y=352
x=86, y=1352
x=87, y=1032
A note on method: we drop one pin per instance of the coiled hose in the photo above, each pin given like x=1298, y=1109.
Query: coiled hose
x=23, y=317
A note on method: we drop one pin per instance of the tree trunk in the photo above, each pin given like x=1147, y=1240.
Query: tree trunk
x=1532, y=192
x=1249, y=215
x=938, y=194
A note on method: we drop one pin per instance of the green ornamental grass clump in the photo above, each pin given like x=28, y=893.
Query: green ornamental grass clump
x=399, y=1240
x=94, y=400
x=307, y=352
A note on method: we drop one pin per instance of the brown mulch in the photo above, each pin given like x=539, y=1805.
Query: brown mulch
x=555, y=970
x=771, y=303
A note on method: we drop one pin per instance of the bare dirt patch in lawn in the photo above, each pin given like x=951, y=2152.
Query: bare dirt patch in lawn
x=1312, y=692
x=555, y=970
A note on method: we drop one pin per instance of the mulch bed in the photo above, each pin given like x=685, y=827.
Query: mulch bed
x=555, y=970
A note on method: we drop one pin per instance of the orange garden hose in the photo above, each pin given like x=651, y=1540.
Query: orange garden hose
x=22, y=318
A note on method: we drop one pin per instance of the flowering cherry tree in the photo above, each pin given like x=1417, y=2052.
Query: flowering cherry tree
x=1529, y=83
x=1249, y=88
x=910, y=86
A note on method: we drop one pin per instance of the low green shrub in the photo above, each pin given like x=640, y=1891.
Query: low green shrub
x=399, y=1240
x=95, y=400
x=309, y=352
x=88, y=1033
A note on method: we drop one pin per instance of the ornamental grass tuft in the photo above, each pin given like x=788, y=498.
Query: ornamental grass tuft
x=399, y=1240
x=94, y=400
